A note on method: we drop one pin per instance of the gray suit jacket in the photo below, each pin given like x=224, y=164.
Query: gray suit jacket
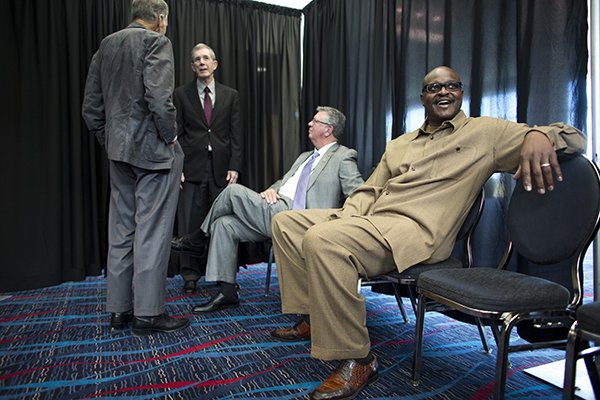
x=127, y=103
x=333, y=179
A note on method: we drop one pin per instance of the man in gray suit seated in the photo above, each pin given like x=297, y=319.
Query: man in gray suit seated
x=320, y=178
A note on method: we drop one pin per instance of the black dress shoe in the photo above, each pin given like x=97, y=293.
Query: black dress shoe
x=219, y=302
x=189, y=287
x=184, y=244
x=119, y=320
x=143, y=326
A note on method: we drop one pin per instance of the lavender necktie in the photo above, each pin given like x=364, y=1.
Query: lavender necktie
x=299, y=202
x=207, y=105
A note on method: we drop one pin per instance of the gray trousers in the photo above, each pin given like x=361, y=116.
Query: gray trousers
x=140, y=226
x=238, y=215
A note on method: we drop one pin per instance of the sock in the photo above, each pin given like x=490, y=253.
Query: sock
x=229, y=289
x=366, y=360
x=198, y=237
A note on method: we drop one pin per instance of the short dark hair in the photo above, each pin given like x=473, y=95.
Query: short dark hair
x=148, y=10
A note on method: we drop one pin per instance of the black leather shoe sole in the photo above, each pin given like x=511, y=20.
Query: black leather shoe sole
x=156, y=329
x=204, y=310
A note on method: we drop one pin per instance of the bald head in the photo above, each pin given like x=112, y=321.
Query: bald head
x=441, y=70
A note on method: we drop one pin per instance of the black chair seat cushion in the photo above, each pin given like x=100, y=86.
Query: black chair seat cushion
x=588, y=317
x=495, y=290
x=413, y=272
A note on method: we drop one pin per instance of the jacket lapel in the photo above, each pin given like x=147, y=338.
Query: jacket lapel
x=192, y=92
x=321, y=165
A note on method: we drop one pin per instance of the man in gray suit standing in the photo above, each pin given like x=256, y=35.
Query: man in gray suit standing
x=127, y=105
x=320, y=178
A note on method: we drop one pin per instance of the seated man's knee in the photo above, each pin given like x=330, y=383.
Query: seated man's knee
x=315, y=236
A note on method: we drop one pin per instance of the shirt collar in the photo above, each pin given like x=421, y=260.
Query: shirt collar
x=201, y=86
x=324, y=149
x=459, y=120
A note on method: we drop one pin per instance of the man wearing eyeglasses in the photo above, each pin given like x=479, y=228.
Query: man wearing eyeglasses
x=210, y=133
x=320, y=178
x=407, y=212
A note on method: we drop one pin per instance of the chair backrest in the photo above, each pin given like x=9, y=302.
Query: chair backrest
x=551, y=232
x=462, y=248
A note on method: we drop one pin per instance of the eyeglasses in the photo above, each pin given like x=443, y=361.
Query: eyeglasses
x=321, y=122
x=451, y=86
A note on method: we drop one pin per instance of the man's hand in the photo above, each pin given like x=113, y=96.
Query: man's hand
x=538, y=162
x=270, y=196
x=232, y=177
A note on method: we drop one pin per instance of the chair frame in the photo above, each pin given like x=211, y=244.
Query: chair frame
x=408, y=278
x=502, y=322
x=578, y=347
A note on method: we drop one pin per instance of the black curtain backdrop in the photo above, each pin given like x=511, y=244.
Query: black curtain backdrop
x=523, y=60
x=54, y=174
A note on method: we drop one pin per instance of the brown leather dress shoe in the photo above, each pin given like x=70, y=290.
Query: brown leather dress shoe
x=346, y=381
x=300, y=331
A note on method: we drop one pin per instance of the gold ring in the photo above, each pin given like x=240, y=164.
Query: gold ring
x=544, y=165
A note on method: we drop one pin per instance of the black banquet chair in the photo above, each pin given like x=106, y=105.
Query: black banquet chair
x=584, y=330
x=551, y=231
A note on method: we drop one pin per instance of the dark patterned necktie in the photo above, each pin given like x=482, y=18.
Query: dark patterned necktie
x=207, y=105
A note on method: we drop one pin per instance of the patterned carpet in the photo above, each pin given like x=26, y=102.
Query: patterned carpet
x=55, y=344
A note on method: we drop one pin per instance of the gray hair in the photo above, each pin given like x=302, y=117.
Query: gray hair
x=336, y=119
x=202, y=46
x=148, y=10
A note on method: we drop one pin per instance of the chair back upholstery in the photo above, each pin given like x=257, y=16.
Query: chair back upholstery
x=554, y=230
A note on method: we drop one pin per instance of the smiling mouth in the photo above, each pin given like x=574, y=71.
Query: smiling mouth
x=443, y=102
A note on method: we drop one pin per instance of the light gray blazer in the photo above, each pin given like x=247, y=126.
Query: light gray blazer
x=333, y=179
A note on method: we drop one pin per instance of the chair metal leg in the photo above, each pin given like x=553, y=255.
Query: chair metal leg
x=570, y=364
x=400, y=303
x=502, y=357
x=411, y=296
x=482, y=335
x=592, y=369
x=269, y=268
x=418, y=354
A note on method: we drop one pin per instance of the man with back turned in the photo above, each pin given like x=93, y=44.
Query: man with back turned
x=128, y=106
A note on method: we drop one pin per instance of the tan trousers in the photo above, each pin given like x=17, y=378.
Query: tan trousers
x=319, y=263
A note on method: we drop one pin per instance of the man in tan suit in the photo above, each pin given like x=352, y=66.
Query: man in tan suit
x=407, y=212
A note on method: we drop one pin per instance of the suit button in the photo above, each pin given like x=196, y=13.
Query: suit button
x=209, y=130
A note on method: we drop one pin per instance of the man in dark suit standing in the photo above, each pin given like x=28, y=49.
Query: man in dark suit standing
x=320, y=178
x=128, y=106
x=209, y=130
